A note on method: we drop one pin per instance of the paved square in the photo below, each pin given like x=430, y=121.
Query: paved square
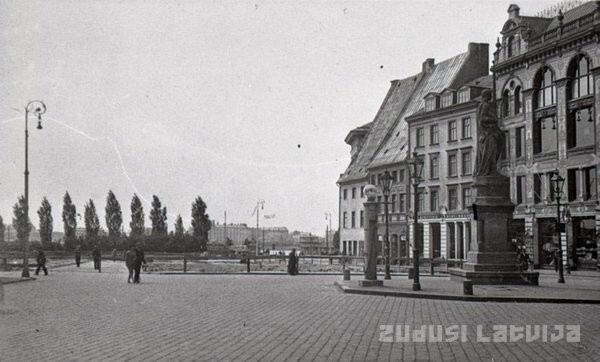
x=79, y=314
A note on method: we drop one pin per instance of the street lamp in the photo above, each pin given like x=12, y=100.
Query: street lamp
x=415, y=169
x=557, y=182
x=38, y=108
x=260, y=205
x=568, y=220
x=386, y=182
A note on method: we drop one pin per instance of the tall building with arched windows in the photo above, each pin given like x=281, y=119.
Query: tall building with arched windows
x=547, y=85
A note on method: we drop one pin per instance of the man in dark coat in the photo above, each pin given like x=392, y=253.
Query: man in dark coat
x=131, y=261
x=78, y=255
x=293, y=263
x=97, y=255
x=41, y=262
x=138, y=263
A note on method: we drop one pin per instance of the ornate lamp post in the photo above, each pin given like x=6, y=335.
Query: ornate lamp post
x=557, y=182
x=415, y=169
x=386, y=183
x=38, y=108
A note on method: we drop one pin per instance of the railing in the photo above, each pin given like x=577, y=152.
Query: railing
x=569, y=27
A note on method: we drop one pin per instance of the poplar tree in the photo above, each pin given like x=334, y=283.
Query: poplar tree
x=137, y=217
x=114, y=217
x=200, y=222
x=46, y=222
x=69, y=215
x=91, y=220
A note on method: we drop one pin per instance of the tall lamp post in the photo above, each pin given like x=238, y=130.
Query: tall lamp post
x=260, y=204
x=328, y=229
x=415, y=169
x=37, y=108
x=557, y=182
x=386, y=182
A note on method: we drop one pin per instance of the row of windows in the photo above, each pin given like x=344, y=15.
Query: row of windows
x=466, y=164
x=580, y=185
x=447, y=99
x=434, y=133
x=353, y=220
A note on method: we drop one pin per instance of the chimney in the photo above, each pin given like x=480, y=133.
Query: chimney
x=428, y=65
x=513, y=11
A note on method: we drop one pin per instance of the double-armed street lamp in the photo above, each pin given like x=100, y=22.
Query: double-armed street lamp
x=385, y=181
x=557, y=182
x=37, y=108
x=415, y=169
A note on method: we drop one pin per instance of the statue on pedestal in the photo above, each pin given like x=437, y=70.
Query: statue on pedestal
x=491, y=138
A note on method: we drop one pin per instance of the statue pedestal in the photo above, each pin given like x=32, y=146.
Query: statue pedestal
x=491, y=258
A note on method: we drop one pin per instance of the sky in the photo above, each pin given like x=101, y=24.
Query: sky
x=232, y=101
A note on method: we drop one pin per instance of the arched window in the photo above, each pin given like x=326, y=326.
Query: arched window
x=505, y=103
x=581, y=83
x=512, y=46
x=546, y=91
x=544, y=126
x=580, y=117
x=518, y=100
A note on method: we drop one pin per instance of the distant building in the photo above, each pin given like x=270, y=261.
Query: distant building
x=238, y=233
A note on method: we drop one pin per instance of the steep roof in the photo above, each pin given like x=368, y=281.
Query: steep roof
x=485, y=81
x=396, y=99
x=444, y=75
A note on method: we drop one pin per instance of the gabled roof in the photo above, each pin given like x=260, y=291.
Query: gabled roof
x=443, y=76
x=398, y=95
x=364, y=129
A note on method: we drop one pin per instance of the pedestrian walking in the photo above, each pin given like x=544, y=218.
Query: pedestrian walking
x=114, y=255
x=78, y=255
x=138, y=263
x=292, y=263
x=130, y=262
x=97, y=256
x=41, y=262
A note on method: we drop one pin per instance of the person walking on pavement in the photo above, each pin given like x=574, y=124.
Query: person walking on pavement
x=138, y=263
x=292, y=263
x=114, y=255
x=130, y=262
x=78, y=255
x=97, y=256
x=41, y=262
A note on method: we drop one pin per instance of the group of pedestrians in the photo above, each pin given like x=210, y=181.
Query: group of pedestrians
x=134, y=258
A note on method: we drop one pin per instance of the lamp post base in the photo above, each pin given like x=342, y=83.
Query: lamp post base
x=416, y=287
x=25, y=273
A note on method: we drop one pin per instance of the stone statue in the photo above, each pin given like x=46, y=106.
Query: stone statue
x=491, y=138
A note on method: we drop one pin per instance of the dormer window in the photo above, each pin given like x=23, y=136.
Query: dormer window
x=463, y=96
x=447, y=99
x=430, y=104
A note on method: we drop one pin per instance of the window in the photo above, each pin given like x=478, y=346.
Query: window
x=506, y=148
x=430, y=104
x=401, y=176
x=447, y=100
x=580, y=128
x=380, y=204
x=589, y=183
x=452, y=165
x=463, y=96
x=572, y=182
x=344, y=219
x=452, y=198
x=582, y=83
x=420, y=136
x=466, y=197
x=550, y=193
x=393, y=203
x=394, y=176
x=466, y=128
x=544, y=135
x=345, y=194
x=518, y=101
x=505, y=103
x=520, y=186
x=512, y=46
x=538, y=188
x=466, y=162
x=373, y=180
x=452, y=131
x=434, y=134
x=354, y=192
x=434, y=164
x=362, y=192
x=434, y=200
x=545, y=88
x=402, y=202
x=520, y=142
x=362, y=218
x=421, y=200
x=353, y=220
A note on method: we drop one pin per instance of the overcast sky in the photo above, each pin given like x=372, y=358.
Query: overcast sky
x=233, y=101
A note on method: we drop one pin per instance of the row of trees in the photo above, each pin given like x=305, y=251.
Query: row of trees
x=160, y=238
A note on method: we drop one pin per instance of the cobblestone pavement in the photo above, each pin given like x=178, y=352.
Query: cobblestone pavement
x=79, y=314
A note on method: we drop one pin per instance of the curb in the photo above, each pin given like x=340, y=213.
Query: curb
x=17, y=280
x=463, y=298
x=277, y=273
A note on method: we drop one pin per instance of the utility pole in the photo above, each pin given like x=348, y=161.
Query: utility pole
x=225, y=228
x=260, y=203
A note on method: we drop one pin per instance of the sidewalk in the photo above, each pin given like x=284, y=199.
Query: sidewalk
x=579, y=287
